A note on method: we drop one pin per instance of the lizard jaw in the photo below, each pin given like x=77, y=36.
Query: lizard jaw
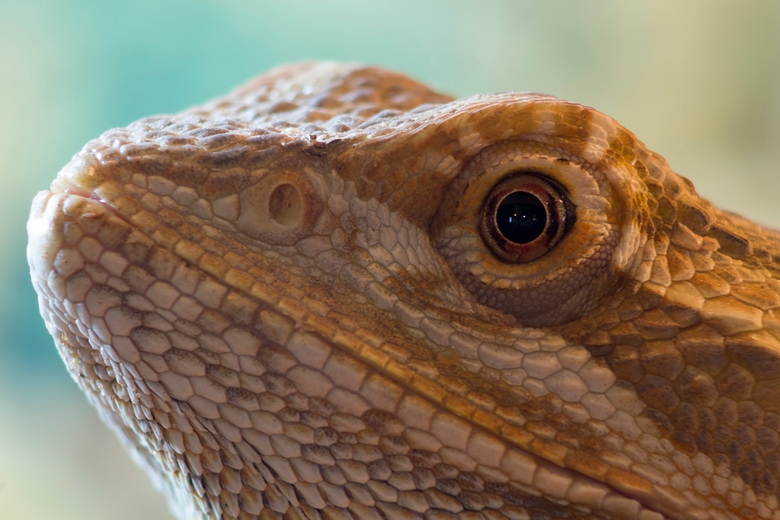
x=556, y=482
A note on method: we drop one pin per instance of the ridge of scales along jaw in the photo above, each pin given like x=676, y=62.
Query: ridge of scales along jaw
x=286, y=310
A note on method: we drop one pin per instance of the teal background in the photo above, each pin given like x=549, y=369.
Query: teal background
x=697, y=81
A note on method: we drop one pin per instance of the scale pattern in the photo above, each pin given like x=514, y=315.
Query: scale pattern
x=281, y=302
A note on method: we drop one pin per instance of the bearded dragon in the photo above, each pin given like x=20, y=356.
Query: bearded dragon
x=337, y=294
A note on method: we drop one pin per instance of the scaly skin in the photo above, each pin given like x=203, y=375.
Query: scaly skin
x=283, y=303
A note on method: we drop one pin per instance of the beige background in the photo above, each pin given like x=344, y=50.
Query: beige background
x=697, y=81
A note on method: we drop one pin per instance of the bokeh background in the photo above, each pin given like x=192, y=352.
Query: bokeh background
x=697, y=81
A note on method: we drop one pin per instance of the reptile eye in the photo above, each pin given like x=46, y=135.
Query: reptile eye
x=524, y=217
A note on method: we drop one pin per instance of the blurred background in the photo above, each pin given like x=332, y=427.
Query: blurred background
x=697, y=81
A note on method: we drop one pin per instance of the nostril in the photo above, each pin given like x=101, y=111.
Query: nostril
x=285, y=205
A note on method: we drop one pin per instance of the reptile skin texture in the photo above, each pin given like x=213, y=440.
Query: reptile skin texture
x=305, y=300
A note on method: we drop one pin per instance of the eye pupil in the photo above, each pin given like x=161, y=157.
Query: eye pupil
x=521, y=217
x=524, y=216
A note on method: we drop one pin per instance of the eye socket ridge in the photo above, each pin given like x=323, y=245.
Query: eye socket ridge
x=524, y=216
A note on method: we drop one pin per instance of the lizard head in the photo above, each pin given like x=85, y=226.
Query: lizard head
x=335, y=293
